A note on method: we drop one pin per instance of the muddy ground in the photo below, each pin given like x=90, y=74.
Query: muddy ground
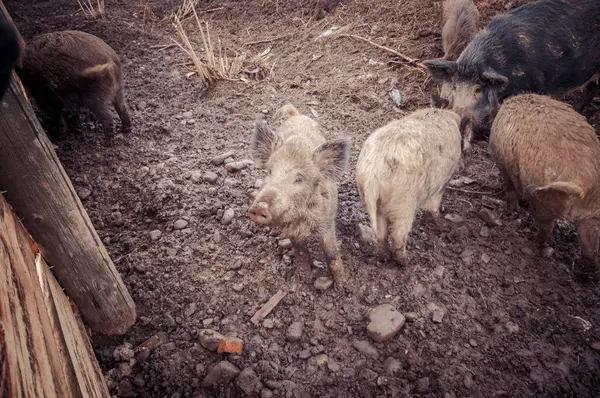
x=515, y=323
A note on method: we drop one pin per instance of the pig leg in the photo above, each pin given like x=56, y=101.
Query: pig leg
x=121, y=108
x=512, y=198
x=589, y=236
x=432, y=206
x=401, y=219
x=332, y=255
x=382, y=235
x=544, y=222
x=52, y=109
x=103, y=117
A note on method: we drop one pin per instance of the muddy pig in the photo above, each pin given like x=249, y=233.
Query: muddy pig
x=300, y=194
x=545, y=47
x=74, y=69
x=9, y=53
x=461, y=23
x=404, y=166
x=550, y=157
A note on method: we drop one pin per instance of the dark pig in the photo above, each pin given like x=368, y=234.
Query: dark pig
x=549, y=46
x=550, y=156
x=75, y=69
x=461, y=24
x=9, y=53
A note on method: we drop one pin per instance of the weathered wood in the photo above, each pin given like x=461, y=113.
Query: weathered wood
x=44, y=351
x=268, y=307
x=42, y=194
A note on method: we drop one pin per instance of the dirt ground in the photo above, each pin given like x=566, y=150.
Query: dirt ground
x=515, y=323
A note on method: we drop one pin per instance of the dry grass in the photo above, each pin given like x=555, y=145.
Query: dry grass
x=217, y=62
x=186, y=9
x=91, y=10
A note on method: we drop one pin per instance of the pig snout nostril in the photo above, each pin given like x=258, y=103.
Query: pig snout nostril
x=259, y=213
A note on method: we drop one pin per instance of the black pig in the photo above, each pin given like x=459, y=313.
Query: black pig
x=9, y=53
x=549, y=46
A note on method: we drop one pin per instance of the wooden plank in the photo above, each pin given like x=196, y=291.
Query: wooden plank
x=43, y=196
x=43, y=351
x=268, y=307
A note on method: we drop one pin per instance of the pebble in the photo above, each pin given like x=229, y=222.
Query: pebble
x=489, y=218
x=512, y=327
x=228, y=216
x=285, y=244
x=223, y=372
x=333, y=366
x=190, y=309
x=258, y=183
x=382, y=381
x=323, y=283
x=220, y=159
x=455, y=218
x=595, y=345
x=368, y=375
x=439, y=271
x=547, y=252
x=485, y=258
x=248, y=382
x=123, y=353
x=527, y=251
x=423, y=385
x=461, y=181
x=385, y=323
x=294, y=331
x=396, y=96
x=238, y=166
x=210, y=339
x=318, y=360
x=83, y=193
x=138, y=381
x=305, y=354
x=238, y=287
x=266, y=393
x=211, y=177
x=365, y=348
x=411, y=316
x=484, y=232
x=207, y=321
x=155, y=235
x=180, y=224
x=437, y=316
x=196, y=176
x=468, y=381
x=392, y=366
x=268, y=323
x=472, y=343
x=365, y=233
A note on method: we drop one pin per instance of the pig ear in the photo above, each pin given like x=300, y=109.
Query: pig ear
x=441, y=70
x=494, y=79
x=332, y=157
x=264, y=142
x=438, y=102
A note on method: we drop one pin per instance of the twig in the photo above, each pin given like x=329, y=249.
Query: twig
x=408, y=59
x=469, y=191
x=268, y=307
x=161, y=47
x=211, y=10
x=250, y=43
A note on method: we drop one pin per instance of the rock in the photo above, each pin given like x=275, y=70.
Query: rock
x=139, y=381
x=512, y=327
x=368, y=375
x=258, y=183
x=547, y=252
x=365, y=234
x=238, y=287
x=411, y=316
x=266, y=393
x=238, y=166
x=318, y=360
x=595, y=345
x=484, y=232
x=485, y=258
x=527, y=251
x=196, y=176
x=472, y=343
x=228, y=216
x=155, y=235
x=207, y=321
x=382, y=381
x=229, y=160
x=123, y=353
x=396, y=96
x=333, y=366
x=190, y=309
x=305, y=354
x=285, y=244
x=489, y=218
x=423, y=385
x=294, y=331
x=248, y=382
x=231, y=345
x=468, y=381
x=437, y=316
x=323, y=283
x=83, y=193
x=455, y=218
x=461, y=181
x=211, y=177
x=223, y=372
x=439, y=271
x=385, y=323
x=365, y=348
x=392, y=366
x=220, y=159
x=210, y=339
x=268, y=323
x=180, y=224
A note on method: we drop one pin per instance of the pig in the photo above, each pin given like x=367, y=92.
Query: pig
x=544, y=47
x=300, y=194
x=404, y=166
x=10, y=50
x=74, y=69
x=461, y=24
x=549, y=156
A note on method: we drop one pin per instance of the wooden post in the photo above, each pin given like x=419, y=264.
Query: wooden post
x=38, y=188
x=44, y=350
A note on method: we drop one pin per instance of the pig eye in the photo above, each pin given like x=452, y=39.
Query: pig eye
x=477, y=90
x=269, y=172
x=299, y=179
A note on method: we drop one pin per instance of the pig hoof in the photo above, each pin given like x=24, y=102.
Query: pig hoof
x=401, y=258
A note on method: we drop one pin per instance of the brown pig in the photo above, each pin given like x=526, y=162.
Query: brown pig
x=74, y=69
x=461, y=24
x=404, y=166
x=550, y=156
x=300, y=194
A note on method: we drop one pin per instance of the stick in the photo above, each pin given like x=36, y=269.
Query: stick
x=268, y=307
x=250, y=43
x=211, y=10
x=161, y=47
x=390, y=50
x=469, y=191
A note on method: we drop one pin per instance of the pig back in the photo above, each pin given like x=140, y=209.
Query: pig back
x=538, y=140
x=301, y=128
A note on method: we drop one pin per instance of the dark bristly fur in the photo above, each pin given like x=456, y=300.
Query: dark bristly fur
x=9, y=53
x=461, y=23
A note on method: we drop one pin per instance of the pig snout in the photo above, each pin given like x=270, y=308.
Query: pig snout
x=259, y=213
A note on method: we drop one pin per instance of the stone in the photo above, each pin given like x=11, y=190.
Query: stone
x=294, y=331
x=123, y=353
x=155, y=235
x=189, y=309
x=411, y=316
x=385, y=323
x=268, y=323
x=305, y=354
x=238, y=287
x=437, y=316
x=547, y=252
x=439, y=271
x=180, y=224
x=221, y=373
x=220, y=159
x=248, y=382
x=228, y=216
x=468, y=381
x=423, y=385
x=489, y=218
x=484, y=232
x=211, y=177
x=368, y=375
x=234, y=167
x=196, y=176
x=83, y=193
x=333, y=366
x=210, y=339
x=527, y=251
x=512, y=327
x=365, y=348
x=485, y=258
x=323, y=283
x=455, y=218
x=285, y=244
x=266, y=393
x=392, y=366
x=318, y=360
